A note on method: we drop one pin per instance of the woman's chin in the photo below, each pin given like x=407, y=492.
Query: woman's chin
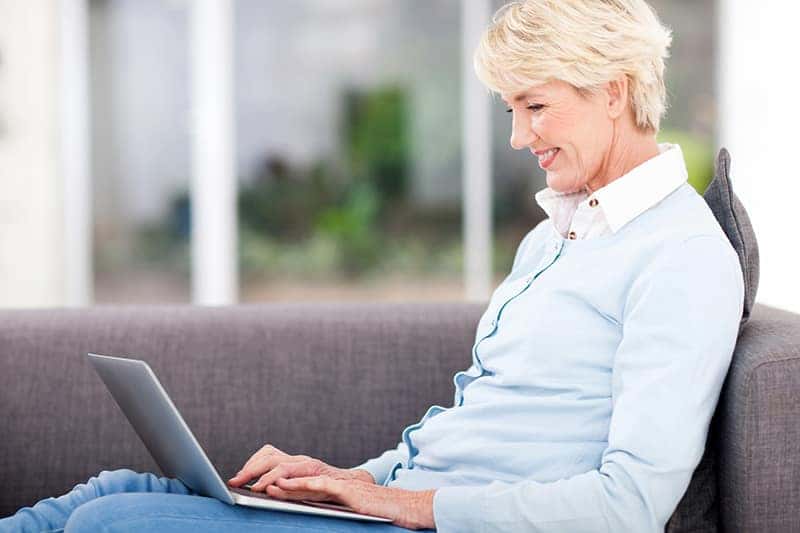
x=556, y=182
x=561, y=184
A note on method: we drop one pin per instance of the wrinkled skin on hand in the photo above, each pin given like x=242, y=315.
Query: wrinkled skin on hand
x=270, y=464
x=299, y=477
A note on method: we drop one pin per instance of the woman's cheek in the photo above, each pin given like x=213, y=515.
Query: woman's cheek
x=547, y=129
x=538, y=126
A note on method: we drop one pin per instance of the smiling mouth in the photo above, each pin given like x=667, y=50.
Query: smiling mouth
x=547, y=157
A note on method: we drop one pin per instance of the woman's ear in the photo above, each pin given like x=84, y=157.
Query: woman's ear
x=617, y=97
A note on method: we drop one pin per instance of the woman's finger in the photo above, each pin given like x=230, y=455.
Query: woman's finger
x=317, y=485
x=268, y=450
x=281, y=470
x=287, y=470
x=300, y=491
x=263, y=461
x=255, y=470
x=255, y=458
x=276, y=492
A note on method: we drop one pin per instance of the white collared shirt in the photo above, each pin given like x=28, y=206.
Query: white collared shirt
x=580, y=215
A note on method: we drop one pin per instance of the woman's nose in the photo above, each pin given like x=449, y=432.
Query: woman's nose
x=521, y=134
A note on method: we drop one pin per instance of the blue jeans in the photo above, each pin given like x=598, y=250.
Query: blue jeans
x=123, y=500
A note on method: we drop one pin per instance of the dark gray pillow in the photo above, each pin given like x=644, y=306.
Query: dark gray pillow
x=733, y=218
x=698, y=510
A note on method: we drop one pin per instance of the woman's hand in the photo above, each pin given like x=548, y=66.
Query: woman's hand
x=409, y=509
x=270, y=464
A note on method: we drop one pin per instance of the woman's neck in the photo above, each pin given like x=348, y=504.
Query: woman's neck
x=626, y=153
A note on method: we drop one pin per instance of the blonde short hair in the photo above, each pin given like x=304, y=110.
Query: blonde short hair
x=585, y=43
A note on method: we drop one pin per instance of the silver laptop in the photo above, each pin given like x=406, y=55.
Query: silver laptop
x=149, y=409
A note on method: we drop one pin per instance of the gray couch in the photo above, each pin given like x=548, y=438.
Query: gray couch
x=340, y=382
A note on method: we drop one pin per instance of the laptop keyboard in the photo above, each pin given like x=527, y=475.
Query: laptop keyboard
x=251, y=493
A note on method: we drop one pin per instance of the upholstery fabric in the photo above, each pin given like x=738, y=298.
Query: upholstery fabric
x=334, y=381
x=731, y=215
x=759, y=413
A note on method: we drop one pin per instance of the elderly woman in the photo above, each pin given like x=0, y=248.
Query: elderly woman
x=600, y=358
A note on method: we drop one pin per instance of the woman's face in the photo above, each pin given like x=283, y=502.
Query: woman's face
x=568, y=132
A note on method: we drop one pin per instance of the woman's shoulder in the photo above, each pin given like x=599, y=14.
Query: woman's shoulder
x=683, y=227
x=683, y=214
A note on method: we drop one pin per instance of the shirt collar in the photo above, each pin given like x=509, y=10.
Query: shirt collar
x=628, y=196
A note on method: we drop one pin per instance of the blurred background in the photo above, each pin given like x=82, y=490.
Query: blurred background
x=223, y=151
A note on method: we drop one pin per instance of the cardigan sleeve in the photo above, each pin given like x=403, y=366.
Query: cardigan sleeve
x=680, y=324
x=380, y=467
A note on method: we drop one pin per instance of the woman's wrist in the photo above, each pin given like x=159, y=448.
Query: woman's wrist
x=362, y=475
x=421, y=509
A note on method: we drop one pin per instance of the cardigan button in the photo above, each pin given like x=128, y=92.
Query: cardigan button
x=593, y=202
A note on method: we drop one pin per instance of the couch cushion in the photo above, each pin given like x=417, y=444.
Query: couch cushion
x=735, y=223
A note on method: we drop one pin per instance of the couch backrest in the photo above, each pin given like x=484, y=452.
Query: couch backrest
x=334, y=381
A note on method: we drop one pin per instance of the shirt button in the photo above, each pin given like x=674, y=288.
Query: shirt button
x=494, y=323
x=593, y=202
x=572, y=235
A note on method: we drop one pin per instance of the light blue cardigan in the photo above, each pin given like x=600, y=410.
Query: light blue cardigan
x=595, y=371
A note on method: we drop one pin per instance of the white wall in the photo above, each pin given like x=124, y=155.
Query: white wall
x=214, y=237
x=759, y=114
x=31, y=253
x=75, y=150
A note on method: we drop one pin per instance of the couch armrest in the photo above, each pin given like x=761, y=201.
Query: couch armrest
x=759, y=431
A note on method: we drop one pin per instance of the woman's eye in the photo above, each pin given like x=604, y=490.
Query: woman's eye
x=532, y=107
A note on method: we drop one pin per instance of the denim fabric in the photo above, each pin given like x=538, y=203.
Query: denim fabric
x=122, y=501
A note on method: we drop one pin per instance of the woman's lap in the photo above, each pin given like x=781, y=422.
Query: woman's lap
x=123, y=500
x=176, y=513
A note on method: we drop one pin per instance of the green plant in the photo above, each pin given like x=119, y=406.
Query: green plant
x=376, y=136
x=283, y=201
x=353, y=226
x=698, y=153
